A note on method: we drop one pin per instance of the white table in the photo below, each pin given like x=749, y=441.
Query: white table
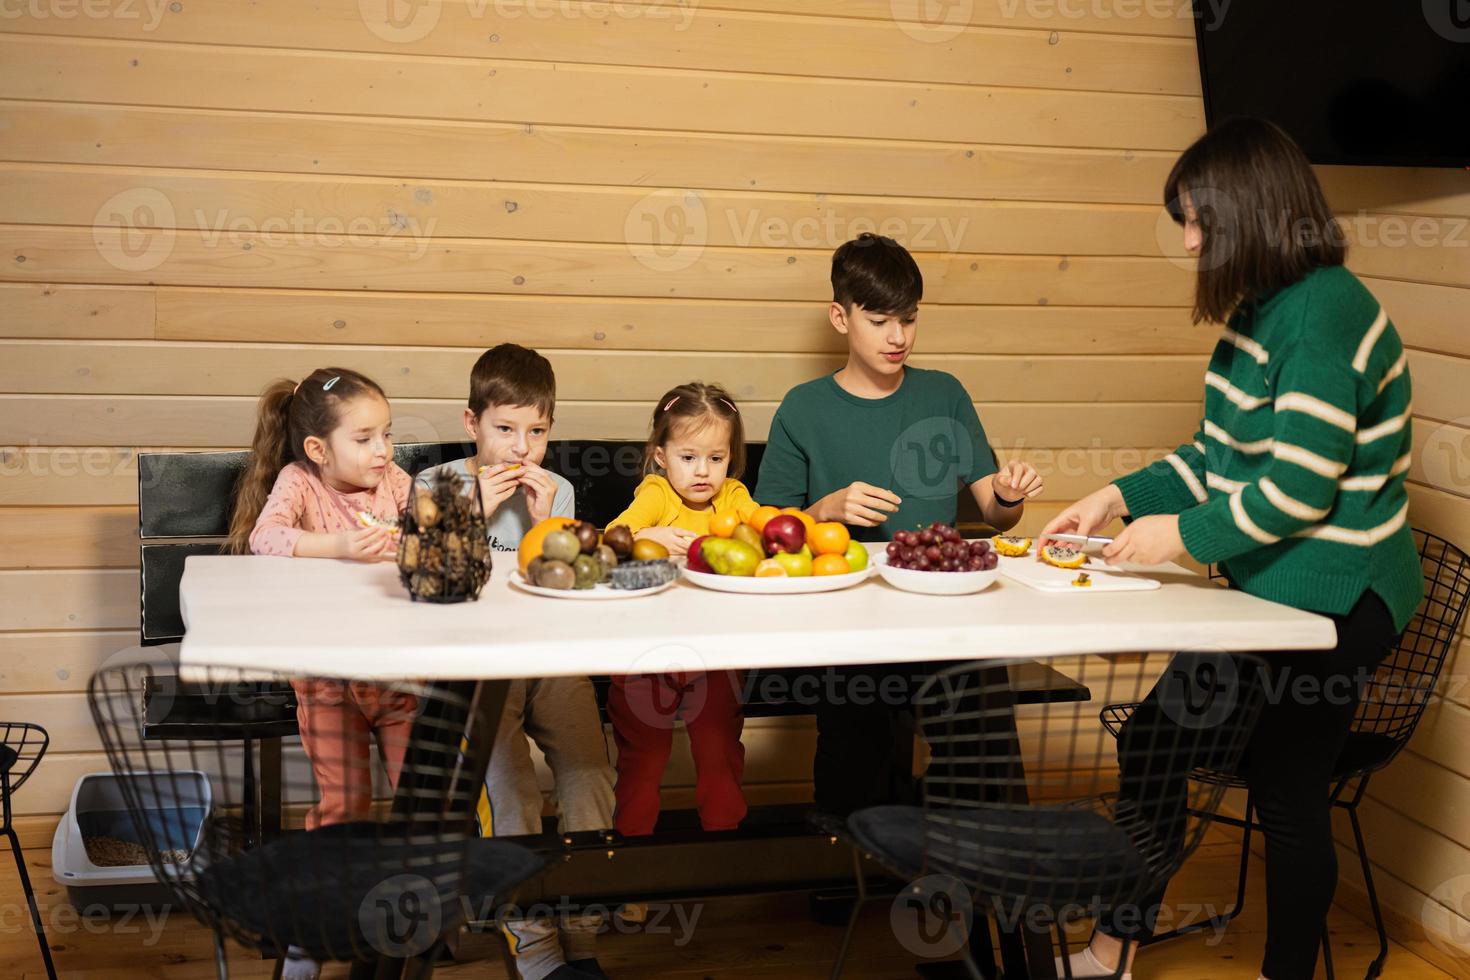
x=344, y=619
x=337, y=618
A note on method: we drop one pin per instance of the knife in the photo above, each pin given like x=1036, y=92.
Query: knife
x=1081, y=539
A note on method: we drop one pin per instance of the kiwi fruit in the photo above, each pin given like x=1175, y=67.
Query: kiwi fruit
x=533, y=568
x=620, y=540
x=561, y=546
x=552, y=574
x=587, y=570
x=606, y=561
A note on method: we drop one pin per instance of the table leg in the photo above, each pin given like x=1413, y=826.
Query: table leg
x=270, y=789
x=249, y=790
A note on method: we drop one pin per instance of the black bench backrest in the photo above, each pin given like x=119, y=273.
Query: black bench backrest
x=185, y=500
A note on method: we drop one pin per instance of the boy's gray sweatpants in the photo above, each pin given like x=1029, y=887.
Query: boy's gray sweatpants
x=560, y=715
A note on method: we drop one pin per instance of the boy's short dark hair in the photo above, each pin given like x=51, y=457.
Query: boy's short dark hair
x=877, y=274
x=509, y=374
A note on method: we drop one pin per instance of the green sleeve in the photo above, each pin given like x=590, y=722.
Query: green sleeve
x=785, y=469
x=982, y=457
x=1170, y=485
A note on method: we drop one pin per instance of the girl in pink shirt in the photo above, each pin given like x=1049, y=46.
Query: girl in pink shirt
x=322, y=455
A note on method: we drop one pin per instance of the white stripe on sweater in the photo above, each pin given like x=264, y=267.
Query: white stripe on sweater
x=1369, y=341
x=1247, y=402
x=1395, y=424
x=1289, y=505
x=1246, y=525
x=1255, y=350
x=1187, y=475
x=1308, y=460
x=1377, y=482
x=1221, y=436
x=1297, y=401
x=1363, y=539
x=1394, y=372
x=1218, y=482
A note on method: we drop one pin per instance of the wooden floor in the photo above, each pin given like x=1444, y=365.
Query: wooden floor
x=768, y=936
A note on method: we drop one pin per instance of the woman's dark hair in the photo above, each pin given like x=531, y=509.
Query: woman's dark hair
x=696, y=402
x=289, y=412
x=1265, y=221
x=877, y=274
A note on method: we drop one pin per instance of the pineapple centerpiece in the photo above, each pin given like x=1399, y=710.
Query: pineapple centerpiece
x=443, y=551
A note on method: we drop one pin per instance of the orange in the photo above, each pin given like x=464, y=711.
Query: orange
x=828, y=538
x=806, y=518
x=724, y=525
x=761, y=516
x=770, y=568
x=530, y=548
x=830, y=565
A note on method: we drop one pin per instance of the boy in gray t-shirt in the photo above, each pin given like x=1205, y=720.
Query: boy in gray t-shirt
x=510, y=521
x=512, y=398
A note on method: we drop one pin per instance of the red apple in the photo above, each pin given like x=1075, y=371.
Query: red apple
x=696, y=556
x=784, y=533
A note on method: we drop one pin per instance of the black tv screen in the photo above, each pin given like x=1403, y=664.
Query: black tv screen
x=1382, y=82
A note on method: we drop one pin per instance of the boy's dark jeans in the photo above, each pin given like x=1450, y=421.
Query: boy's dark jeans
x=864, y=751
x=1289, y=762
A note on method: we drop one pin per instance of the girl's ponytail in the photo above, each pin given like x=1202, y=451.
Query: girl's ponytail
x=270, y=451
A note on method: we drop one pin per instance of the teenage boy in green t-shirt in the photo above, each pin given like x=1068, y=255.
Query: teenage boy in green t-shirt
x=881, y=447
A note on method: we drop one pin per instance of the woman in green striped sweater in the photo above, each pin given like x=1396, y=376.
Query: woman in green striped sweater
x=1293, y=485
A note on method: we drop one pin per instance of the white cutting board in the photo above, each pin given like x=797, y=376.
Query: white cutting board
x=1048, y=578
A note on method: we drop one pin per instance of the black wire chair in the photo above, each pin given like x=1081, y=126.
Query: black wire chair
x=1385, y=720
x=21, y=747
x=382, y=889
x=1034, y=815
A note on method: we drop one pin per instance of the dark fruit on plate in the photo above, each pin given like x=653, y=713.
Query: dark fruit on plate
x=783, y=534
x=555, y=575
x=587, y=537
x=620, y=540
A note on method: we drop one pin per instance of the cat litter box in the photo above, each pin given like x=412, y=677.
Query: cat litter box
x=97, y=852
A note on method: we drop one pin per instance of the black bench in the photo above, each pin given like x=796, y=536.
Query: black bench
x=184, y=504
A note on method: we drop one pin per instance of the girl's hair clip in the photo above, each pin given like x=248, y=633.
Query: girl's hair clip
x=730, y=405
x=296, y=389
x=327, y=386
x=669, y=404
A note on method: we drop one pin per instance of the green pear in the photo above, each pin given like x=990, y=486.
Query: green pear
x=729, y=556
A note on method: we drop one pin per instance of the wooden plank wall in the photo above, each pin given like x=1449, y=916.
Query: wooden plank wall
x=199, y=196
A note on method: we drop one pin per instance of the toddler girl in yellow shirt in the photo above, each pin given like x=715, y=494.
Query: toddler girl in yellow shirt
x=694, y=458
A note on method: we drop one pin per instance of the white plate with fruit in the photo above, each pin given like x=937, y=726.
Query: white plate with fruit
x=938, y=560
x=565, y=559
x=777, y=553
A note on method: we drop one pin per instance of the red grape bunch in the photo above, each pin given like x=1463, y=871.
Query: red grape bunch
x=940, y=548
